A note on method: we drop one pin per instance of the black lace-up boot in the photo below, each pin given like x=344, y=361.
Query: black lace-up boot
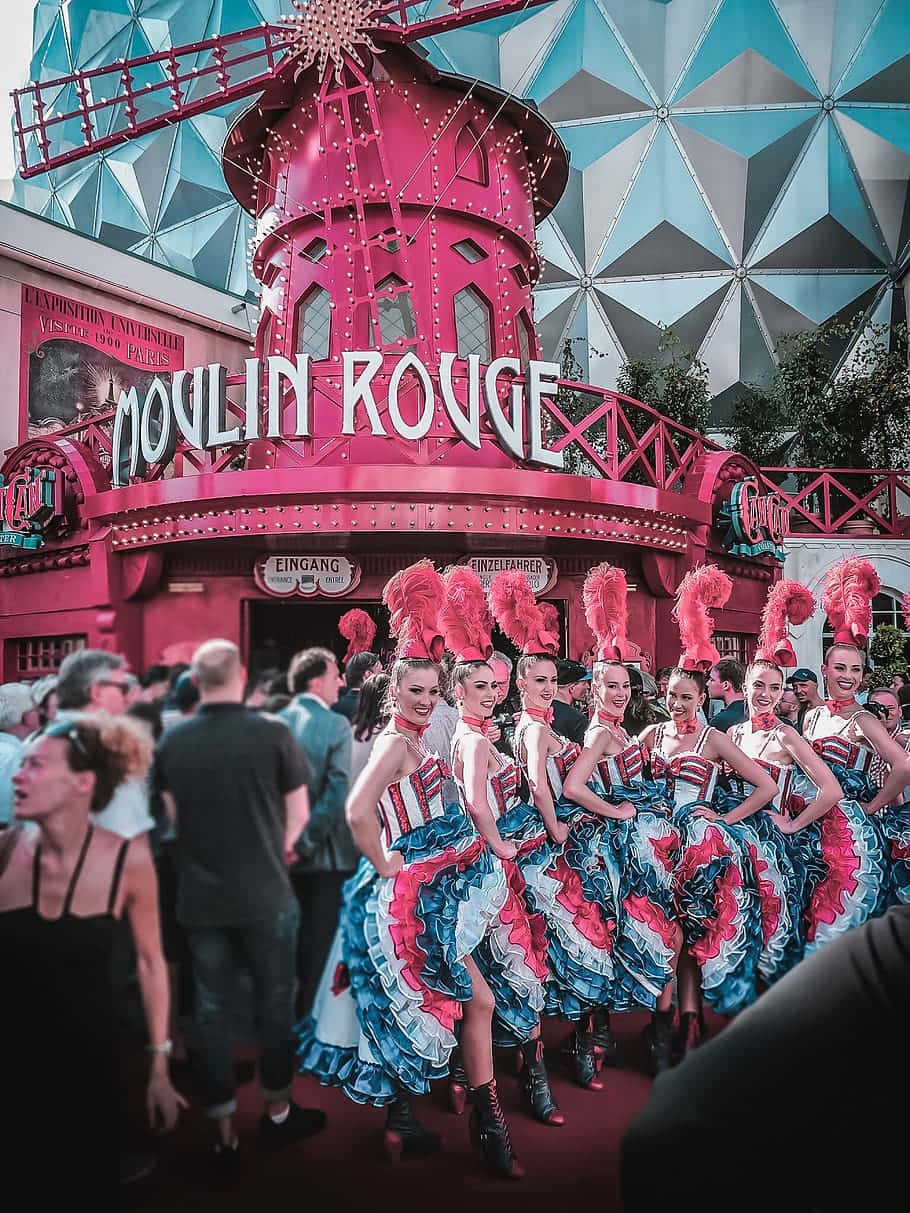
x=404, y=1134
x=535, y=1085
x=605, y=1048
x=580, y=1057
x=660, y=1041
x=490, y=1133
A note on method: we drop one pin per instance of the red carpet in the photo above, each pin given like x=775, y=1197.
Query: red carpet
x=344, y=1168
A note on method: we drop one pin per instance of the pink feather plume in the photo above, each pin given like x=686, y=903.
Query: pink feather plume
x=414, y=598
x=905, y=608
x=701, y=588
x=550, y=617
x=465, y=616
x=788, y=602
x=518, y=613
x=604, y=596
x=358, y=629
x=849, y=587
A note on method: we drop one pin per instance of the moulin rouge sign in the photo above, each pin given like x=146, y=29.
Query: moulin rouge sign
x=194, y=405
x=756, y=522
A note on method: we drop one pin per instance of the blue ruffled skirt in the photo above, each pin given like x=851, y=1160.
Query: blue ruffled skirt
x=386, y=1014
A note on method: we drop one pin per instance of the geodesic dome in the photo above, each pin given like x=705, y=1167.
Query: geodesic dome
x=739, y=167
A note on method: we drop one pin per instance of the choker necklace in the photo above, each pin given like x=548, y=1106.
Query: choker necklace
x=685, y=727
x=477, y=722
x=409, y=726
x=544, y=715
x=603, y=718
x=764, y=722
x=837, y=705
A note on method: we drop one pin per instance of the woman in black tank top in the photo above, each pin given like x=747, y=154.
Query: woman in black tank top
x=63, y=886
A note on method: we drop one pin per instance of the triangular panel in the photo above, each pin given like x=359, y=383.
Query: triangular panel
x=636, y=335
x=883, y=168
x=605, y=183
x=663, y=302
x=749, y=79
x=584, y=95
x=664, y=250
x=885, y=46
x=588, y=141
x=740, y=26
x=664, y=186
x=816, y=296
x=568, y=215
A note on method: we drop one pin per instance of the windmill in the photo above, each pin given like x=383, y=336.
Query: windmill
x=395, y=205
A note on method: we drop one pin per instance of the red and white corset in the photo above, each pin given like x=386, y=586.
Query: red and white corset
x=689, y=777
x=502, y=789
x=849, y=754
x=413, y=801
x=782, y=776
x=559, y=765
x=623, y=769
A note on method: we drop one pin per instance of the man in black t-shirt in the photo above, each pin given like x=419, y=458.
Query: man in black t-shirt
x=234, y=780
x=572, y=682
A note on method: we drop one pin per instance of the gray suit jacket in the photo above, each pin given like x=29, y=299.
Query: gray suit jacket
x=326, y=844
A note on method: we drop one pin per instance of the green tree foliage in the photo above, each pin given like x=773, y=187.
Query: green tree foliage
x=887, y=652
x=858, y=417
x=674, y=381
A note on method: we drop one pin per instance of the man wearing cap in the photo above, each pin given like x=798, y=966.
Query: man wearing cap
x=572, y=683
x=805, y=687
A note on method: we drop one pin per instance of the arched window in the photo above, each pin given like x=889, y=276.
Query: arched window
x=471, y=156
x=314, y=323
x=396, y=312
x=473, y=324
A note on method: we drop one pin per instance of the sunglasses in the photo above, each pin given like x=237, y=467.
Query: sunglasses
x=113, y=682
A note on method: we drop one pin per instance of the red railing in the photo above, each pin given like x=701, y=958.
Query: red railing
x=844, y=501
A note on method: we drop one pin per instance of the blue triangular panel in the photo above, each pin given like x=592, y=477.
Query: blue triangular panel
x=664, y=301
x=588, y=141
x=816, y=296
x=890, y=123
x=745, y=132
x=742, y=25
x=889, y=40
x=588, y=43
x=663, y=188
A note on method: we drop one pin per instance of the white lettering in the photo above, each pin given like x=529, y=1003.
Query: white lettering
x=467, y=425
x=127, y=410
x=189, y=420
x=154, y=451
x=253, y=367
x=509, y=431
x=298, y=376
x=360, y=389
x=541, y=378
x=217, y=411
x=421, y=426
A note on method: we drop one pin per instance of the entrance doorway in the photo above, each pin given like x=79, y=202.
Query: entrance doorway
x=277, y=629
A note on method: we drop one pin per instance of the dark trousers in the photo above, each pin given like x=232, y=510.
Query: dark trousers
x=319, y=898
x=220, y=954
x=800, y=1104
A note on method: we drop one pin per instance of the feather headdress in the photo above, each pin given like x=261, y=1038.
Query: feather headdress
x=414, y=598
x=465, y=617
x=550, y=618
x=519, y=614
x=701, y=588
x=604, y=596
x=847, y=593
x=905, y=609
x=358, y=629
x=788, y=602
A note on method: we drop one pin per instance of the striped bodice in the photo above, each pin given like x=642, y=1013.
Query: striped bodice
x=502, y=788
x=415, y=800
x=689, y=776
x=834, y=747
x=781, y=774
x=559, y=765
x=623, y=769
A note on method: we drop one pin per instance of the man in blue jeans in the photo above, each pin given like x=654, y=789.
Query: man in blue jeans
x=234, y=781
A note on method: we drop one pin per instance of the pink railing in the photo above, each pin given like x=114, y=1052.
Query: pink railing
x=843, y=501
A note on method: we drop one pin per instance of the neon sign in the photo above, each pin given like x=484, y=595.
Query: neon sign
x=194, y=405
x=29, y=500
x=756, y=522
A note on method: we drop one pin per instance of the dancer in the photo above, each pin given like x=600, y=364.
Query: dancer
x=572, y=889
x=401, y=975
x=784, y=849
x=513, y=959
x=857, y=837
x=715, y=885
x=637, y=839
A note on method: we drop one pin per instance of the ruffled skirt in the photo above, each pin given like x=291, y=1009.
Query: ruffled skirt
x=386, y=1013
x=718, y=905
x=643, y=851
x=894, y=825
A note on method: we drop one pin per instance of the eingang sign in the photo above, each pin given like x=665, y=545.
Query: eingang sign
x=295, y=573
x=194, y=405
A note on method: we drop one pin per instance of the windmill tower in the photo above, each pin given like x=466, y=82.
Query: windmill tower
x=395, y=205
